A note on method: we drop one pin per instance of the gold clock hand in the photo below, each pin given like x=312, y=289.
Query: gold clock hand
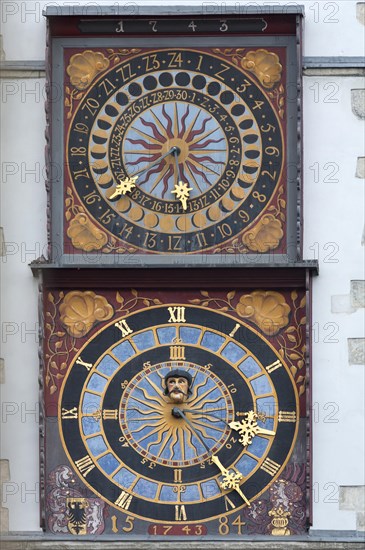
x=248, y=428
x=230, y=480
x=126, y=185
x=181, y=189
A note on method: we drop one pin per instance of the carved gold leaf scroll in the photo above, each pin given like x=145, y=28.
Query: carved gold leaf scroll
x=292, y=341
x=116, y=55
x=128, y=305
x=85, y=235
x=85, y=66
x=265, y=236
x=79, y=311
x=58, y=345
x=267, y=309
x=82, y=70
x=82, y=232
x=264, y=65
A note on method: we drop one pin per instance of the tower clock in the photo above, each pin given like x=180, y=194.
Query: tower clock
x=175, y=302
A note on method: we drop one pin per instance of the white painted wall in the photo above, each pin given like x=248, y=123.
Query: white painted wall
x=333, y=139
x=334, y=221
x=330, y=27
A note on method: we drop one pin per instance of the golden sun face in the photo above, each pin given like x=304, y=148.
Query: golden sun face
x=177, y=389
x=150, y=427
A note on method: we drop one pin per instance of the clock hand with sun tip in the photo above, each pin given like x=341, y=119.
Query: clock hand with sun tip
x=126, y=185
x=181, y=189
x=230, y=480
x=247, y=428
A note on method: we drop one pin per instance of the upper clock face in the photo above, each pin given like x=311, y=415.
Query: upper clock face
x=164, y=459
x=174, y=151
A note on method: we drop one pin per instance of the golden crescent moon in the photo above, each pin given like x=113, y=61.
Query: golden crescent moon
x=214, y=213
x=183, y=223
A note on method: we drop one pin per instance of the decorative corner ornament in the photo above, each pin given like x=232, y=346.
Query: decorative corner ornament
x=79, y=311
x=84, y=67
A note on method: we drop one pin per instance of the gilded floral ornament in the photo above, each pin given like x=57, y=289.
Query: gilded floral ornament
x=85, y=235
x=84, y=67
x=267, y=309
x=79, y=311
x=265, y=66
x=266, y=235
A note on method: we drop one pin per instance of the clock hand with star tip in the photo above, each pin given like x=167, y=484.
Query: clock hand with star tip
x=181, y=189
x=230, y=480
x=126, y=185
x=247, y=428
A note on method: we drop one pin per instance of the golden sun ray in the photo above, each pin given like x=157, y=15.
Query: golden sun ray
x=157, y=399
x=189, y=441
x=205, y=425
x=159, y=123
x=155, y=408
x=199, y=164
x=176, y=122
x=181, y=434
x=143, y=134
x=173, y=442
x=167, y=439
x=143, y=419
x=187, y=132
x=158, y=389
x=192, y=179
x=161, y=176
x=198, y=398
x=152, y=432
x=205, y=136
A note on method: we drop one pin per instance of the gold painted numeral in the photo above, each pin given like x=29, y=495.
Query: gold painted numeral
x=274, y=366
x=84, y=465
x=178, y=475
x=228, y=503
x=88, y=366
x=287, y=416
x=124, y=500
x=81, y=174
x=123, y=327
x=68, y=414
x=110, y=414
x=258, y=105
x=180, y=513
x=114, y=524
x=177, y=353
x=177, y=314
x=220, y=73
x=270, y=466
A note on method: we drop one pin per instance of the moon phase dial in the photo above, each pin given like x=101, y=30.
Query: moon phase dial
x=132, y=445
x=168, y=119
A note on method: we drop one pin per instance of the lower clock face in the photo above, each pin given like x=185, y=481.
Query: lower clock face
x=178, y=413
x=165, y=117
